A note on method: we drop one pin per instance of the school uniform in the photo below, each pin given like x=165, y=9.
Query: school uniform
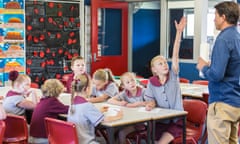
x=86, y=117
x=167, y=96
x=68, y=84
x=110, y=89
x=47, y=107
x=128, y=97
x=10, y=103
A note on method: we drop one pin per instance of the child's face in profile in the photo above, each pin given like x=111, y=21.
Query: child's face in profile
x=24, y=87
x=160, y=66
x=129, y=83
x=99, y=84
x=79, y=67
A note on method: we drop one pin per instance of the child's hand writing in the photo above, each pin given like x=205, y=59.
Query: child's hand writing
x=123, y=103
x=104, y=109
x=150, y=106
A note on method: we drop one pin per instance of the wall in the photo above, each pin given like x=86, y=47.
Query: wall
x=146, y=44
x=146, y=40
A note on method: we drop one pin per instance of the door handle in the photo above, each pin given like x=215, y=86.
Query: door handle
x=95, y=59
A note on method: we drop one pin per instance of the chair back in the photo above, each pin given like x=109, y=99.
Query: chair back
x=197, y=111
x=183, y=80
x=200, y=82
x=196, y=117
x=61, y=132
x=2, y=130
x=16, y=129
x=34, y=85
x=143, y=82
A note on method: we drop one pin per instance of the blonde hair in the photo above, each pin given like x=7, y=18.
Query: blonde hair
x=21, y=78
x=76, y=58
x=154, y=59
x=127, y=74
x=52, y=88
x=103, y=75
x=79, y=84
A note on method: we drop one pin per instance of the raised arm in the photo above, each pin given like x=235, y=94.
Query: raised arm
x=179, y=29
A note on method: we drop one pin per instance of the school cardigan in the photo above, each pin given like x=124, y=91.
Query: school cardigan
x=47, y=107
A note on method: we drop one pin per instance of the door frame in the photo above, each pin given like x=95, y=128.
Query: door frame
x=94, y=28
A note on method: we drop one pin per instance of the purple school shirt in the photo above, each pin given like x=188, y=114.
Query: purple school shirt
x=47, y=107
x=69, y=83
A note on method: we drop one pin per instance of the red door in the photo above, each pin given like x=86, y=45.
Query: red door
x=109, y=36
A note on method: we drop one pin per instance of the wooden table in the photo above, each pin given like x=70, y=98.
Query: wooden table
x=168, y=114
x=132, y=116
x=193, y=90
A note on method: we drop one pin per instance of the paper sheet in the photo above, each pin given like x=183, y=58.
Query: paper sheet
x=142, y=109
x=204, y=51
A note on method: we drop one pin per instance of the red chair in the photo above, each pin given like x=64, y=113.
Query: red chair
x=16, y=130
x=61, y=132
x=34, y=85
x=184, y=80
x=143, y=82
x=201, y=82
x=196, y=117
x=2, y=130
x=137, y=137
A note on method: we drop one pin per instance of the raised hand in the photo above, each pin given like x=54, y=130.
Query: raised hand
x=181, y=25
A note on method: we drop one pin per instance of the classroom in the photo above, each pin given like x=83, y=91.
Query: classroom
x=120, y=71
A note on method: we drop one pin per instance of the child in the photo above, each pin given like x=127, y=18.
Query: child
x=104, y=86
x=163, y=89
x=78, y=66
x=15, y=101
x=84, y=114
x=49, y=106
x=131, y=96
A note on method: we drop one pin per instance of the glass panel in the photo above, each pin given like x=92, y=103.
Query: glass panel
x=109, y=32
x=186, y=49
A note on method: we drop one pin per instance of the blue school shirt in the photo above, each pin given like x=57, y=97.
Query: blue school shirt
x=86, y=117
x=167, y=95
x=110, y=89
x=126, y=95
x=224, y=72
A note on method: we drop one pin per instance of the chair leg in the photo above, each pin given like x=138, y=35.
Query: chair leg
x=128, y=141
x=204, y=138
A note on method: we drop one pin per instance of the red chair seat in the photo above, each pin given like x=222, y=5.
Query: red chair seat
x=194, y=132
x=34, y=85
x=184, y=80
x=61, y=132
x=196, y=117
x=16, y=130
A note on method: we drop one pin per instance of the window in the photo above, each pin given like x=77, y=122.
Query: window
x=189, y=30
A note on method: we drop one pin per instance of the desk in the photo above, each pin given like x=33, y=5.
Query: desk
x=165, y=114
x=132, y=116
x=193, y=90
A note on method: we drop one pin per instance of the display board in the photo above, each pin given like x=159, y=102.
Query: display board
x=12, y=51
x=53, y=37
